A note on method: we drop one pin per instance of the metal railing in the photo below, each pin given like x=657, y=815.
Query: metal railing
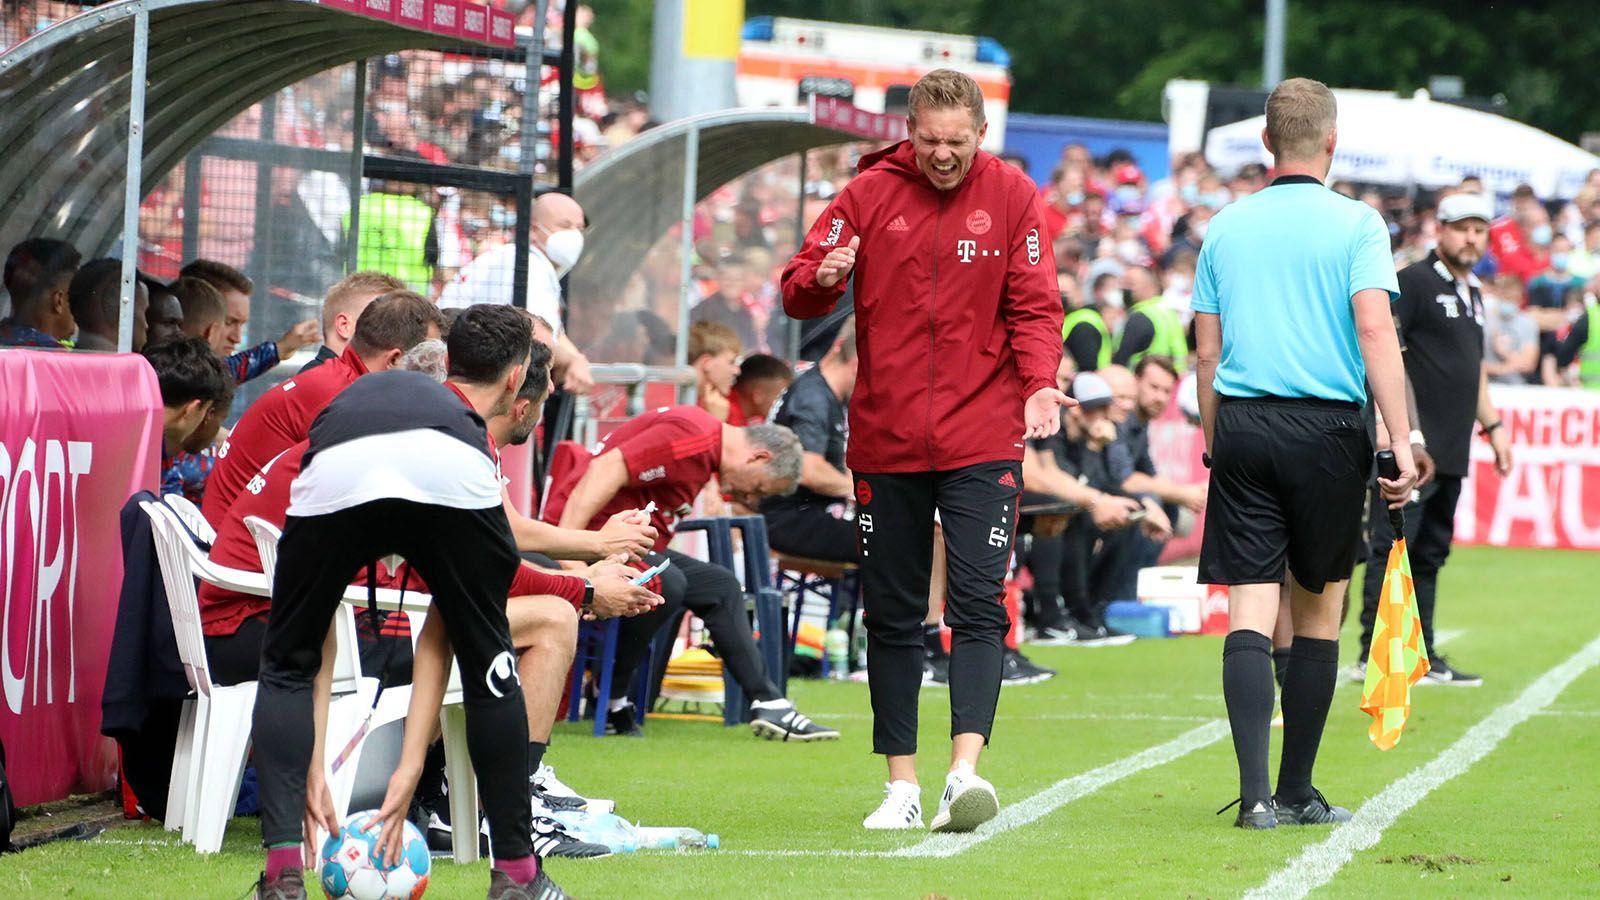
x=586, y=426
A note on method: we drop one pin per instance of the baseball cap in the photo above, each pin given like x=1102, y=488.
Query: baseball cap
x=1456, y=207
x=1091, y=391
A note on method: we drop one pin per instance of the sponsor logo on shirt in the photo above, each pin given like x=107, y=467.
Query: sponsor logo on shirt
x=655, y=474
x=979, y=222
x=1033, y=247
x=968, y=249
x=899, y=224
x=1449, y=301
x=836, y=229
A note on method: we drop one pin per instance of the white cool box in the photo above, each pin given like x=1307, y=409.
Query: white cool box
x=1192, y=608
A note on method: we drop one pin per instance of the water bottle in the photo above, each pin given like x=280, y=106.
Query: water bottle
x=836, y=644
x=674, y=839
x=609, y=829
x=859, y=646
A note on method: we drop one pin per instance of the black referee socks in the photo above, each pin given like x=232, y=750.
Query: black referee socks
x=1307, y=693
x=1247, y=686
x=1280, y=663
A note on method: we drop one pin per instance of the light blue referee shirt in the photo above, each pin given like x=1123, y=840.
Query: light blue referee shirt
x=1280, y=267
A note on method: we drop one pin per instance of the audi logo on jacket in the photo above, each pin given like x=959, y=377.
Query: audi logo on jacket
x=958, y=317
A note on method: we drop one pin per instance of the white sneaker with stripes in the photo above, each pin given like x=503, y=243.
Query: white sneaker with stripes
x=968, y=801
x=901, y=808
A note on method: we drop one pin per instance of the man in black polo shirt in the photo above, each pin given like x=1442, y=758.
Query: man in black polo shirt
x=813, y=407
x=1439, y=317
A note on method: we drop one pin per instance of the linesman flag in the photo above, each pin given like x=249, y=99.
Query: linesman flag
x=1398, y=658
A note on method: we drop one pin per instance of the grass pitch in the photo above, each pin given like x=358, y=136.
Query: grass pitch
x=1522, y=821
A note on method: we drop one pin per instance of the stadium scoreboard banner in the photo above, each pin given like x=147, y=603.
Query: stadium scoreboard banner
x=452, y=18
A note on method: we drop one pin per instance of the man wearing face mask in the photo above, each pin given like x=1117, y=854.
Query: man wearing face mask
x=1153, y=326
x=1518, y=241
x=555, y=245
x=1439, y=317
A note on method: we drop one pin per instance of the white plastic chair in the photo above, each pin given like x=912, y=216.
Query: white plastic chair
x=346, y=713
x=191, y=516
x=214, y=729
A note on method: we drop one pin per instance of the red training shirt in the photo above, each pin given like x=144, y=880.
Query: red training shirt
x=671, y=453
x=958, y=315
x=273, y=424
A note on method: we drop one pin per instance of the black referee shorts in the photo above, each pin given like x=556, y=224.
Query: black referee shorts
x=1288, y=481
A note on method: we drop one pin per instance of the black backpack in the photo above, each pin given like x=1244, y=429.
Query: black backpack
x=8, y=807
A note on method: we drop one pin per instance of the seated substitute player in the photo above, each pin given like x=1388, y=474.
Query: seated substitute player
x=762, y=378
x=192, y=382
x=399, y=464
x=666, y=457
x=390, y=326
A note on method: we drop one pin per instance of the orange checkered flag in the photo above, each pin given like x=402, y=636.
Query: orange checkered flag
x=1398, y=658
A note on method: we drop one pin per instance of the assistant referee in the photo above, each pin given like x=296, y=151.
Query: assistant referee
x=1291, y=298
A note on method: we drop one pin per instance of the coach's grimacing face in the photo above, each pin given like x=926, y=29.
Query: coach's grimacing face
x=1462, y=242
x=945, y=141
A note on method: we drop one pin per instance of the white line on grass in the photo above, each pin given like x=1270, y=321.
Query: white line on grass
x=1067, y=790
x=1322, y=861
x=1063, y=717
x=1447, y=635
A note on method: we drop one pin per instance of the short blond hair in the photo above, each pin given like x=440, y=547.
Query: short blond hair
x=946, y=89
x=343, y=295
x=712, y=338
x=1300, y=113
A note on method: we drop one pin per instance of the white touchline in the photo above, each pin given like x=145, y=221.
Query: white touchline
x=1447, y=635
x=1320, y=862
x=1067, y=790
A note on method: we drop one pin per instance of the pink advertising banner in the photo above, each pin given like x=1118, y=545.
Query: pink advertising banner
x=451, y=18
x=79, y=434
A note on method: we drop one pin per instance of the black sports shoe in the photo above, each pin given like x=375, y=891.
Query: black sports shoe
x=1018, y=669
x=289, y=885
x=621, y=722
x=787, y=724
x=1259, y=816
x=936, y=671
x=1095, y=633
x=1441, y=672
x=551, y=838
x=1061, y=635
x=1315, y=810
x=501, y=887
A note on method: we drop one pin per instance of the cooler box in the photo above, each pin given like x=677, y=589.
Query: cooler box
x=1138, y=619
x=1176, y=589
x=1214, y=610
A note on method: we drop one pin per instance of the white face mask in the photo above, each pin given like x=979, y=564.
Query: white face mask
x=1179, y=285
x=563, y=249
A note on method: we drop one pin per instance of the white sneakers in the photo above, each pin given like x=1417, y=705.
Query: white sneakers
x=901, y=808
x=968, y=801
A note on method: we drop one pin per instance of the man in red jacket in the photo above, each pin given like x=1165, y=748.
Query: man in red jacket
x=958, y=327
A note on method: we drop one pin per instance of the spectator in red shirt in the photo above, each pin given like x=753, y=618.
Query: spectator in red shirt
x=1519, y=241
x=666, y=457
x=391, y=325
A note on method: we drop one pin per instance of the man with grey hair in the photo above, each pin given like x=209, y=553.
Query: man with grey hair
x=664, y=459
x=428, y=358
x=1292, y=322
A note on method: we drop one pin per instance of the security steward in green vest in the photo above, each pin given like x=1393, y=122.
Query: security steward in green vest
x=1582, y=343
x=1086, y=338
x=1153, y=327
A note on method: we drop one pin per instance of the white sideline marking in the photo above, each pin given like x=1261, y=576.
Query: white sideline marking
x=1322, y=861
x=1062, y=717
x=1067, y=790
x=1447, y=635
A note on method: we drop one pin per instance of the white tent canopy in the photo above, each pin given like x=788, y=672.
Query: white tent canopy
x=1385, y=139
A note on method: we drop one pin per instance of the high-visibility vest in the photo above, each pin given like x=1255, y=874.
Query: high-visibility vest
x=394, y=238
x=1092, y=316
x=1589, y=358
x=1168, y=340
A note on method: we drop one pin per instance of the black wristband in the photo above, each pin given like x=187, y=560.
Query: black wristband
x=1490, y=428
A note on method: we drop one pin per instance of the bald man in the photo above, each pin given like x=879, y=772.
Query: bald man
x=555, y=243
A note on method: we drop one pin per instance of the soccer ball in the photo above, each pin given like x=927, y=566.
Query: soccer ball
x=349, y=872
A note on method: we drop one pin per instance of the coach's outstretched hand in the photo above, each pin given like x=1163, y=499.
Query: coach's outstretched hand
x=1042, y=414
x=839, y=262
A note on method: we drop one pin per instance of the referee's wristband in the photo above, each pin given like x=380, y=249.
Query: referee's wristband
x=1416, y=439
x=1490, y=428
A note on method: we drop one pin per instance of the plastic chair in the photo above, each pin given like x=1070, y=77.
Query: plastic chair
x=190, y=516
x=837, y=582
x=765, y=601
x=214, y=727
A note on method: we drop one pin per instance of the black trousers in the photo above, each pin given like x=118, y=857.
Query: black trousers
x=1081, y=569
x=978, y=507
x=1430, y=526
x=811, y=531
x=712, y=593
x=468, y=559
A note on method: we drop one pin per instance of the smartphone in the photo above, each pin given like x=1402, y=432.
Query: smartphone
x=650, y=573
x=1137, y=515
